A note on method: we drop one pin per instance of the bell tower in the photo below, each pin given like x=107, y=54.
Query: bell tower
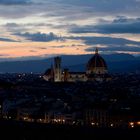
x=96, y=50
x=57, y=69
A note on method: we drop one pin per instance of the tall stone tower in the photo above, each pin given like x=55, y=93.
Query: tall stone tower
x=57, y=69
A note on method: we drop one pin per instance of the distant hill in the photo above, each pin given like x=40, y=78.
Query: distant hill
x=116, y=63
x=113, y=66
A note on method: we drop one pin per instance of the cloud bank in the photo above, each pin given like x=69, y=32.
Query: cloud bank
x=120, y=25
x=14, y=2
x=39, y=37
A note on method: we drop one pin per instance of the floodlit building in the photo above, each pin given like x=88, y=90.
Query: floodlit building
x=96, y=71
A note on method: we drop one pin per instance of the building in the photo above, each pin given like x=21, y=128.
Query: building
x=97, y=117
x=96, y=71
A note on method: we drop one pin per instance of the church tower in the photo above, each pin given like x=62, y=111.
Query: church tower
x=57, y=69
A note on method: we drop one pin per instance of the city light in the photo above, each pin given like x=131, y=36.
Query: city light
x=112, y=125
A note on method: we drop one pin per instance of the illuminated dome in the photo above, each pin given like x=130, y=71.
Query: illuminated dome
x=96, y=65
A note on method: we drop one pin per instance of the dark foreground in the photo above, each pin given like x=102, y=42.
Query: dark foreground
x=32, y=131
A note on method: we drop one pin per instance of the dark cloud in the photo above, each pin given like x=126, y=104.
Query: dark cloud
x=101, y=3
x=39, y=37
x=7, y=40
x=123, y=19
x=77, y=45
x=20, y=9
x=11, y=25
x=43, y=48
x=103, y=7
x=22, y=27
x=110, y=44
x=120, y=25
x=114, y=48
x=93, y=40
x=14, y=2
x=70, y=9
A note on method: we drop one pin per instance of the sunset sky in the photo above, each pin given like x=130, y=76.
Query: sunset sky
x=32, y=29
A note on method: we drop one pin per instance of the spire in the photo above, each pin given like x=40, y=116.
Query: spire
x=96, y=50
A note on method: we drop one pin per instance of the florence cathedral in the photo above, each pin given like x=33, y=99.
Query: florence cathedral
x=96, y=70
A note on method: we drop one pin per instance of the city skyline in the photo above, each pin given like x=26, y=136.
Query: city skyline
x=40, y=28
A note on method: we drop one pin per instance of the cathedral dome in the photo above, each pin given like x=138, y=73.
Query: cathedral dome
x=97, y=64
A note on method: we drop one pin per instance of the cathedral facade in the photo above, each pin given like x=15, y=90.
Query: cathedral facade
x=96, y=70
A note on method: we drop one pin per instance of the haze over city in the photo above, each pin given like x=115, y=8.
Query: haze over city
x=32, y=29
